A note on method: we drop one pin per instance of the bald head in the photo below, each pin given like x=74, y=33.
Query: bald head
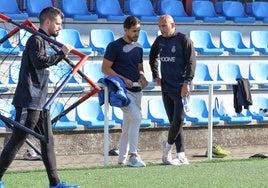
x=166, y=18
x=166, y=25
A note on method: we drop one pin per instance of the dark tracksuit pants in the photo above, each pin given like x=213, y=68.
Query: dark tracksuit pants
x=33, y=121
x=175, y=112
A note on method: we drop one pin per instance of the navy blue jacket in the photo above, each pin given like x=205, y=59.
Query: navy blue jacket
x=117, y=91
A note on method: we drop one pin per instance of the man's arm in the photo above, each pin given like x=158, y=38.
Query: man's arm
x=107, y=69
x=37, y=53
x=190, y=58
x=153, y=61
x=142, y=80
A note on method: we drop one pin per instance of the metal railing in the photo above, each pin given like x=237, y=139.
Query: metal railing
x=210, y=112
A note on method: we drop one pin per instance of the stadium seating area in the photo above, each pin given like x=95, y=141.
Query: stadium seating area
x=231, y=42
x=227, y=43
x=146, y=10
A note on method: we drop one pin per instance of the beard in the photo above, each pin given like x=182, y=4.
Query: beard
x=55, y=34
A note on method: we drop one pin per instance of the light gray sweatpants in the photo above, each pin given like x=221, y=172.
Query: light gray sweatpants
x=131, y=125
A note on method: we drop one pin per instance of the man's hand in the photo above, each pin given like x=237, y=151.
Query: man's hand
x=142, y=81
x=185, y=90
x=66, y=48
x=158, y=81
x=128, y=83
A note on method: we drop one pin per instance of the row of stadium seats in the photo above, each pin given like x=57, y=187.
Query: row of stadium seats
x=57, y=74
x=146, y=10
x=230, y=10
x=198, y=114
x=230, y=41
x=98, y=40
x=90, y=114
x=227, y=71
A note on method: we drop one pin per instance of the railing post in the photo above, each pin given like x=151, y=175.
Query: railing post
x=210, y=122
x=106, y=126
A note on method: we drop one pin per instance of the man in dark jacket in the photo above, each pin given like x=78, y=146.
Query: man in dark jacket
x=177, y=56
x=31, y=94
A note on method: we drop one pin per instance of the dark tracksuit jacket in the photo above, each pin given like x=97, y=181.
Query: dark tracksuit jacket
x=178, y=61
x=32, y=88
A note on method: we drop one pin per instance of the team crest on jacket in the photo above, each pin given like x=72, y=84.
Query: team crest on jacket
x=173, y=49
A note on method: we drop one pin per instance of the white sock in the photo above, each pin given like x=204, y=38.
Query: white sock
x=181, y=154
x=168, y=145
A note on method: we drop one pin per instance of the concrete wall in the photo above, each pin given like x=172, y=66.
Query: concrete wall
x=91, y=141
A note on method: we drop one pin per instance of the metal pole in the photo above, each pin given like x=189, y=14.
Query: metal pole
x=210, y=122
x=106, y=126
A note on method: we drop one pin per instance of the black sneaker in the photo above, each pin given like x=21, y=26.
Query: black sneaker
x=114, y=151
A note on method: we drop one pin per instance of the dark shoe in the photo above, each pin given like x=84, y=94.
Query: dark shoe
x=258, y=155
x=114, y=151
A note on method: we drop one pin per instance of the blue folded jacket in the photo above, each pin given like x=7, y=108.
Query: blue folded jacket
x=117, y=91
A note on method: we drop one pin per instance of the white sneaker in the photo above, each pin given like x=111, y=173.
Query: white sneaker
x=179, y=160
x=135, y=161
x=31, y=155
x=167, y=157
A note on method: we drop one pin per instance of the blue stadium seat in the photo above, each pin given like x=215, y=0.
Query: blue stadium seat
x=10, y=8
x=228, y=72
x=7, y=110
x=34, y=7
x=144, y=41
x=7, y=48
x=225, y=111
x=233, y=42
x=3, y=87
x=176, y=10
x=202, y=74
x=64, y=122
x=77, y=11
x=205, y=11
x=99, y=39
x=13, y=74
x=234, y=10
x=143, y=9
x=258, y=71
x=23, y=38
x=259, y=41
x=256, y=110
x=57, y=75
x=93, y=71
x=156, y=112
x=198, y=113
x=73, y=38
x=204, y=44
x=109, y=9
x=90, y=114
x=117, y=116
x=259, y=10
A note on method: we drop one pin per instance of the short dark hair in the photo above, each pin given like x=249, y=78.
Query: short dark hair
x=50, y=13
x=131, y=21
